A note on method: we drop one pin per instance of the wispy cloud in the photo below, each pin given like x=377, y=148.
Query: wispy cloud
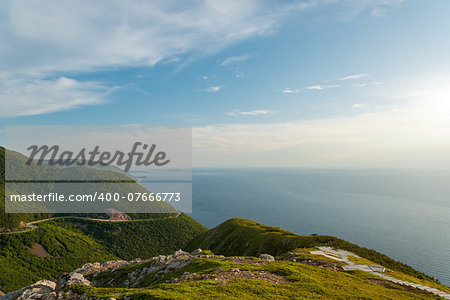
x=359, y=105
x=234, y=59
x=290, y=91
x=322, y=87
x=237, y=113
x=31, y=96
x=350, y=77
x=136, y=33
x=212, y=89
x=118, y=34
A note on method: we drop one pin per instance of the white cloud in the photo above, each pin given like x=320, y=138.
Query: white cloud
x=237, y=113
x=350, y=77
x=290, y=91
x=45, y=40
x=322, y=87
x=85, y=35
x=212, y=89
x=234, y=59
x=24, y=97
x=415, y=134
x=359, y=105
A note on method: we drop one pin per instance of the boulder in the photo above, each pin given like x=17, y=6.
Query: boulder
x=69, y=279
x=266, y=257
x=43, y=289
x=160, y=259
x=180, y=253
x=196, y=251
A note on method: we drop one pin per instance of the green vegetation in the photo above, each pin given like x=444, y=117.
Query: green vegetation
x=65, y=244
x=140, y=238
x=62, y=245
x=122, y=183
x=70, y=246
x=300, y=281
x=245, y=237
x=68, y=249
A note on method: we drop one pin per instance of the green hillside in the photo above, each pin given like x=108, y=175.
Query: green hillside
x=140, y=238
x=61, y=245
x=124, y=185
x=67, y=249
x=245, y=237
x=65, y=244
x=217, y=277
x=10, y=221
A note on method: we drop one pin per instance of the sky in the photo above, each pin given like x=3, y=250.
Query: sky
x=313, y=83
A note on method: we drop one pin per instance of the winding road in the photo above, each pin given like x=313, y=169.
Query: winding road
x=31, y=225
x=342, y=255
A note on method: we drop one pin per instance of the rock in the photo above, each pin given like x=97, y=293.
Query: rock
x=185, y=274
x=69, y=279
x=234, y=270
x=152, y=269
x=176, y=265
x=43, y=289
x=135, y=261
x=266, y=257
x=196, y=251
x=180, y=253
x=161, y=259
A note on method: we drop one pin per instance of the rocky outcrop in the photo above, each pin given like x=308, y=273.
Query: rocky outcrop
x=151, y=270
x=43, y=289
x=267, y=257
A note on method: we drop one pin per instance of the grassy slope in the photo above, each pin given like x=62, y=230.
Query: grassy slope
x=245, y=237
x=70, y=246
x=304, y=282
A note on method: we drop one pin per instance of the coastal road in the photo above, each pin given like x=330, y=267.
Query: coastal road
x=342, y=255
x=31, y=225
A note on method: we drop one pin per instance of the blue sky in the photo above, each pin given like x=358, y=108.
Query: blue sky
x=286, y=83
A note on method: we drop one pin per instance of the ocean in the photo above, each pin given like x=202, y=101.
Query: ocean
x=404, y=214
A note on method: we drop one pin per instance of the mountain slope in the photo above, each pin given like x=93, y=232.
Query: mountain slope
x=245, y=237
x=60, y=246
x=16, y=168
x=202, y=275
x=52, y=247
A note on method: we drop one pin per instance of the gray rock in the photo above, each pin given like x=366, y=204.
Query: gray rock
x=180, y=253
x=266, y=257
x=161, y=259
x=196, y=251
x=43, y=289
x=72, y=278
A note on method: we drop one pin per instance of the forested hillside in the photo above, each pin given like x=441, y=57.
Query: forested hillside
x=56, y=246
x=10, y=221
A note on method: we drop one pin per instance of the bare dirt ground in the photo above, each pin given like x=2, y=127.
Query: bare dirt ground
x=38, y=250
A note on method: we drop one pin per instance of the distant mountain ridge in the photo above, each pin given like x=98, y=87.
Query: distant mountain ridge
x=8, y=221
